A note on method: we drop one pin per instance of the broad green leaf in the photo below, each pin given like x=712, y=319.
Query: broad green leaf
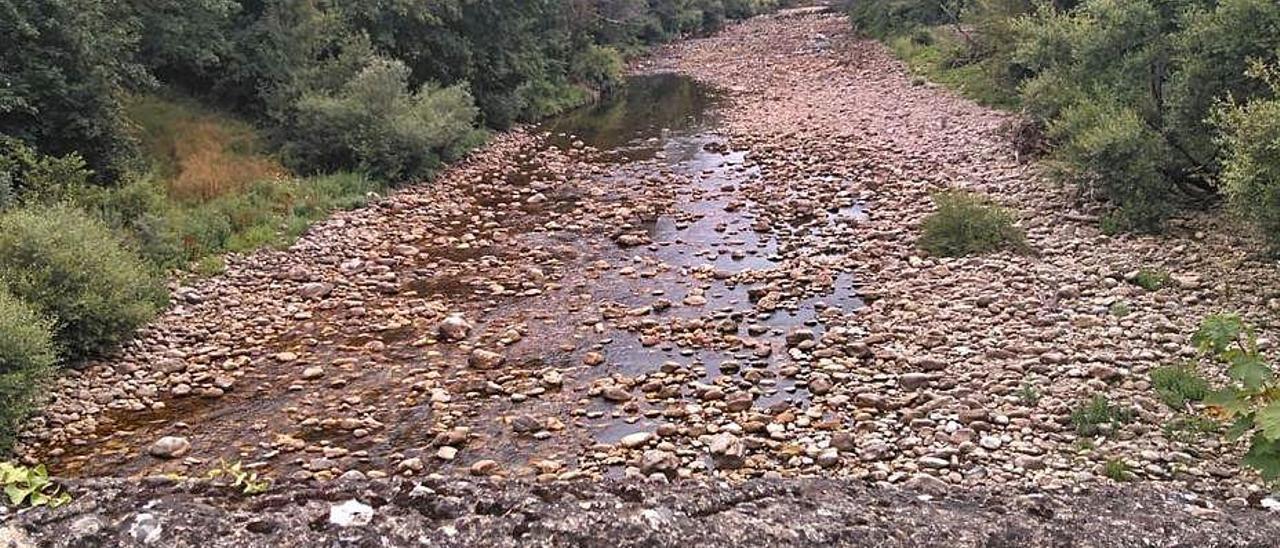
x=1269, y=421
x=1217, y=333
x=16, y=494
x=1240, y=427
x=1229, y=401
x=1264, y=456
x=1249, y=369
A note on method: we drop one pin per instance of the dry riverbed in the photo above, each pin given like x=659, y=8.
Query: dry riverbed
x=714, y=276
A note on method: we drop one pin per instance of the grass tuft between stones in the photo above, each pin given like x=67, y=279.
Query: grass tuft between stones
x=1091, y=416
x=1178, y=385
x=969, y=224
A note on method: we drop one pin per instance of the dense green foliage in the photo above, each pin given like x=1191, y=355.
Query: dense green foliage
x=67, y=63
x=73, y=268
x=1126, y=91
x=968, y=224
x=61, y=69
x=1251, y=161
x=373, y=122
x=26, y=356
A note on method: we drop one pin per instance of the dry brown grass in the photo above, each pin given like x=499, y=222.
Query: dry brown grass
x=200, y=154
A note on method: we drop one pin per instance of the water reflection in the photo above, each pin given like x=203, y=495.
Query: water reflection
x=633, y=122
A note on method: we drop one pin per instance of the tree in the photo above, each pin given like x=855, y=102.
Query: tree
x=62, y=69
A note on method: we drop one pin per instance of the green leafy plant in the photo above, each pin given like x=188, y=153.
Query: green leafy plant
x=1120, y=309
x=246, y=481
x=1151, y=279
x=1090, y=417
x=1116, y=469
x=1028, y=395
x=1250, y=400
x=969, y=224
x=26, y=486
x=1178, y=385
x=27, y=357
x=1188, y=428
x=1251, y=165
x=75, y=270
x=381, y=125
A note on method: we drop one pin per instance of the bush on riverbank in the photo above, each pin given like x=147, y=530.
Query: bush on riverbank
x=27, y=356
x=968, y=224
x=1126, y=91
x=1251, y=161
x=72, y=268
x=375, y=124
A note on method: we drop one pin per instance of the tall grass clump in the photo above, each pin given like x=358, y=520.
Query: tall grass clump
x=1178, y=385
x=969, y=224
x=200, y=153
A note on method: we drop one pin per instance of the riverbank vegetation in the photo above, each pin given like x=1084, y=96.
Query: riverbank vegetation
x=142, y=136
x=1152, y=106
x=969, y=224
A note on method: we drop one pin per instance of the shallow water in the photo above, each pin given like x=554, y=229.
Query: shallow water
x=666, y=123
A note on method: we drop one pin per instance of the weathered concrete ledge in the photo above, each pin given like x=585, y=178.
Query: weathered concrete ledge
x=805, y=512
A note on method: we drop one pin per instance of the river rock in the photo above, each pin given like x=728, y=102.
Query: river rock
x=169, y=447
x=486, y=359
x=454, y=328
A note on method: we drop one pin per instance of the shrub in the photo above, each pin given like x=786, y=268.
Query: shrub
x=967, y=224
x=1251, y=158
x=1112, y=154
x=373, y=123
x=34, y=177
x=1178, y=385
x=881, y=18
x=599, y=67
x=74, y=269
x=1151, y=279
x=1090, y=417
x=1116, y=469
x=26, y=356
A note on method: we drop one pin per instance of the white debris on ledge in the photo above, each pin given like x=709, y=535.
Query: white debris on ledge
x=351, y=513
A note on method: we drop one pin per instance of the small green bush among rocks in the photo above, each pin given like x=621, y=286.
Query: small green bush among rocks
x=1178, y=385
x=1151, y=279
x=27, y=354
x=72, y=267
x=968, y=224
x=1091, y=416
